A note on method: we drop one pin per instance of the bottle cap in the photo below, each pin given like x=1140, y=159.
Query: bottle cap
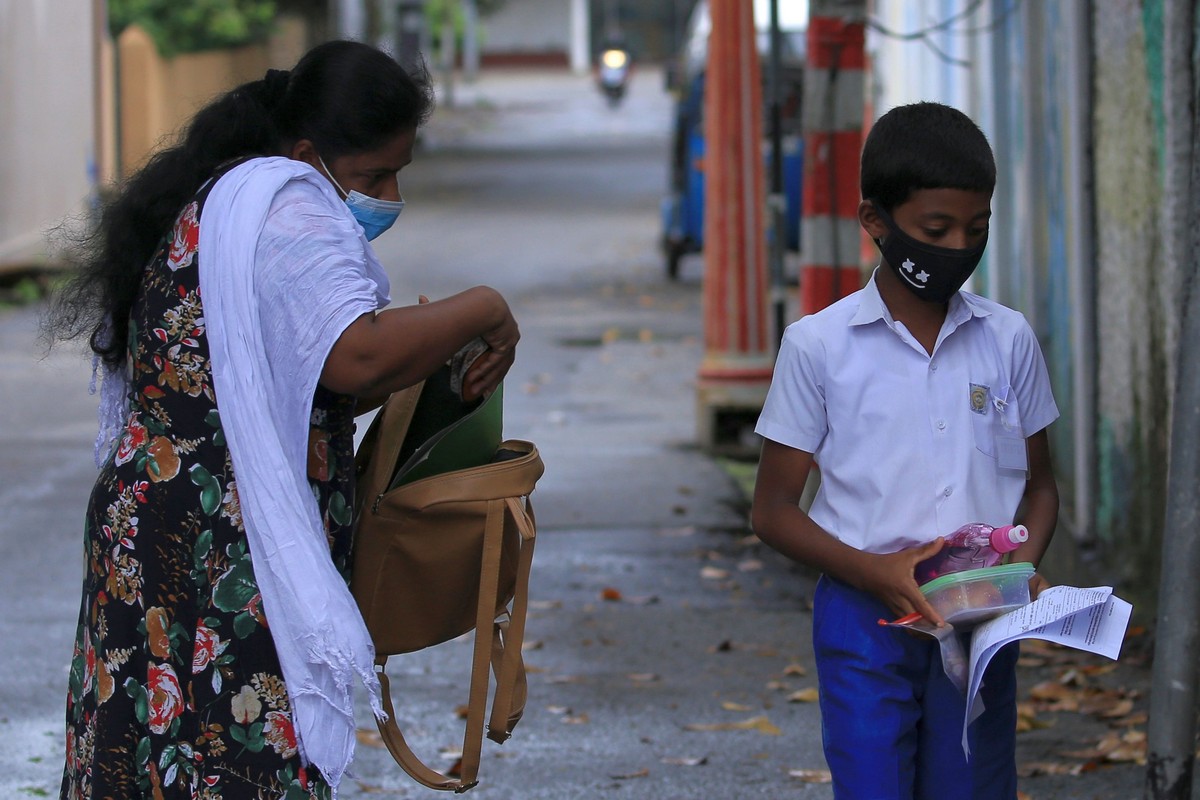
x=1008, y=537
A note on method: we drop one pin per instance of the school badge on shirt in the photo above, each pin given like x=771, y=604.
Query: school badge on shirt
x=979, y=398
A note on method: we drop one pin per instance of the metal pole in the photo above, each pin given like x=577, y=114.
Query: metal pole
x=776, y=204
x=470, y=40
x=1171, y=743
x=448, y=55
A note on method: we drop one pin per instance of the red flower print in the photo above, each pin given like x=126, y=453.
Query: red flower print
x=318, y=454
x=208, y=647
x=280, y=734
x=89, y=664
x=166, y=698
x=135, y=437
x=187, y=238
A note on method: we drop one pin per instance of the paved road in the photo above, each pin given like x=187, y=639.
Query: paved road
x=531, y=184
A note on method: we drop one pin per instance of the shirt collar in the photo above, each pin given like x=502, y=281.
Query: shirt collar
x=871, y=308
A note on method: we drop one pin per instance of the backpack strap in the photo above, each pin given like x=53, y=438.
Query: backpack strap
x=511, y=685
x=398, y=747
x=502, y=654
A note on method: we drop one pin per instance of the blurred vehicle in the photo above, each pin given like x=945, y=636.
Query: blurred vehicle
x=683, y=208
x=614, y=69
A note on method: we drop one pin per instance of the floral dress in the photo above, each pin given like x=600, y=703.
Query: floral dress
x=175, y=688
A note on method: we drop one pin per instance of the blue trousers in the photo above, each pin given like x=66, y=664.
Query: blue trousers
x=891, y=719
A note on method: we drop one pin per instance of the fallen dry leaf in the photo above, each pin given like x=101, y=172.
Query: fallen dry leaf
x=625, y=776
x=579, y=719
x=1132, y=747
x=728, y=706
x=686, y=762
x=544, y=605
x=1098, y=669
x=1027, y=718
x=1032, y=768
x=559, y=709
x=795, y=669
x=642, y=677
x=368, y=738
x=1136, y=718
x=809, y=695
x=760, y=724
x=564, y=679
x=531, y=644
x=1055, y=696
x=750, y=565
x=610, y=594
x=368, y=788
x=714, y=573
x=811, y=775
x=1121, y=709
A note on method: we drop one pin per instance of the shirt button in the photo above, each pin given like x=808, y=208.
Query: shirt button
x=933, y=367
x=941, y=424
x=947, y=491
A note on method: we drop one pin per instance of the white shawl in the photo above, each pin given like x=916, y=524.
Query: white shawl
x=284, y=268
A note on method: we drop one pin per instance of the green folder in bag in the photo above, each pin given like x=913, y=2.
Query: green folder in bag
x=447, y=434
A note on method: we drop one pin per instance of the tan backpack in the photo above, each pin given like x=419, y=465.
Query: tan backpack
x=437, y=557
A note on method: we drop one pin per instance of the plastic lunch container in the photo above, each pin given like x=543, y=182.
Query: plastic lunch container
x=972, y=596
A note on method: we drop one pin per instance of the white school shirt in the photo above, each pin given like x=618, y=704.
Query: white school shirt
x=907, y=443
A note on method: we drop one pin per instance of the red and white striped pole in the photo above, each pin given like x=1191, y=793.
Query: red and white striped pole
x=738, y=355
x=833, y=135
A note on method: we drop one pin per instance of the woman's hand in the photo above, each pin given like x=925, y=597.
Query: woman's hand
x=493, y=364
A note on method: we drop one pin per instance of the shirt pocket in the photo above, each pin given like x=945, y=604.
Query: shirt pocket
x=995, y=413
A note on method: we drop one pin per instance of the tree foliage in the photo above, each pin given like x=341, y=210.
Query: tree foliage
x=185, y=27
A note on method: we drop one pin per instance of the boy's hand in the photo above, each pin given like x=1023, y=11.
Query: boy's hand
x=1037, y=585
x=889, y=576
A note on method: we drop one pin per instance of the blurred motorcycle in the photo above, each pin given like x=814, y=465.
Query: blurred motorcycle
x=613, y=73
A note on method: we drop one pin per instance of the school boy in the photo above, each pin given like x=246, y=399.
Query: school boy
x=925, y=408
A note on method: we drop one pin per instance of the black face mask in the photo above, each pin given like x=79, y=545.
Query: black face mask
x=931, y=273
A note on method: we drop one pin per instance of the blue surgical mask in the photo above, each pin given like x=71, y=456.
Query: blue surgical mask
x=374, y=215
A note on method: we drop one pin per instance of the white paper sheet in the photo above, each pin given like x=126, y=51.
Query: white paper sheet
x=1091, y=619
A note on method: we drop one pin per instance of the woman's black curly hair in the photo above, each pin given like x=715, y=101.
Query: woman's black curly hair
x=345, y=97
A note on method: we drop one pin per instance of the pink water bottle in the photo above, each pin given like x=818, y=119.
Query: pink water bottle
x=972, y=546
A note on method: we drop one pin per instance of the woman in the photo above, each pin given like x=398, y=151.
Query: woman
x=232, y=296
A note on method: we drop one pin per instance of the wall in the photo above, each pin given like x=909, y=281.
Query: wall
x=1138, y=304
x=47, y=126
x=528, y=31
x=158, y=96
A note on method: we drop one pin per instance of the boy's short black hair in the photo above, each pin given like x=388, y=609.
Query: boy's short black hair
x=924, y=146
